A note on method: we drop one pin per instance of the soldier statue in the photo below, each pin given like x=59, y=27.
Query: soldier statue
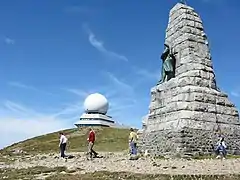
x=183, y=2
x=168, y=65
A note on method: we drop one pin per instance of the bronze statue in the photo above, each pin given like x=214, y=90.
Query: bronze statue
x=183, y=2
x=168, y=65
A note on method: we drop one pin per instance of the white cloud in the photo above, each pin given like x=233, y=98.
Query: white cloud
x=78, y=92
x=113, y=92
x=20, y=85
x=120, y=85
x=16, y=108
x=120, y=104
x=114, y=87
x=207, y=1
x=82, y=94
x=18, y=129
x=78, y=9
x=24, y=86
x=99, y=45
x=119, y=93
x=122, y=95
x=235, y=93
x=9, y=41
x=154, y=75
x=20, y=122
x=71, y=110
x=213, y=1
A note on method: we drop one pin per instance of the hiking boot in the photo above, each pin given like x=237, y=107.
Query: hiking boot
x=89, y=159
x=95, y=155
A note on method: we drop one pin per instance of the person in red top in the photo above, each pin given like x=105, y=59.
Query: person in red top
x=91, y=140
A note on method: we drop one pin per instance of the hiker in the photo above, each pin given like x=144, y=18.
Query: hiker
x=133, y=142
x=221, y=147
x=62, y=144
x=91, y=140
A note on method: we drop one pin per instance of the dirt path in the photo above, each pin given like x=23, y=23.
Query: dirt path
x=117, y=162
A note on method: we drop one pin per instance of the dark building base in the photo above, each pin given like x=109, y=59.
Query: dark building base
x=186, y=143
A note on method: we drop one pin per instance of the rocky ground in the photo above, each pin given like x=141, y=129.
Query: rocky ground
x=119, y=162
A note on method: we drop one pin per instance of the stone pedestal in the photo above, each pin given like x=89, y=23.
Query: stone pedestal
x=189, y=112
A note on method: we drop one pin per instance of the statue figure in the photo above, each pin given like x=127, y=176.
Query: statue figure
x=183, y=2
x=168, y=65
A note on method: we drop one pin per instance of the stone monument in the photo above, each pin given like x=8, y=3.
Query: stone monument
x=188, y=112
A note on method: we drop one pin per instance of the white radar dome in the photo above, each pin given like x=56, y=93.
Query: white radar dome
x=96, y=103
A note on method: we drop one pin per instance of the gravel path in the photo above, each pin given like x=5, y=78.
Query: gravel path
x=117, y=162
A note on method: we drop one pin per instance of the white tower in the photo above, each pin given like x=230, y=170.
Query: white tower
x=96, y=107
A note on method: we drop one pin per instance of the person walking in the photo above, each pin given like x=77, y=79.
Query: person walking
x=133, y=142
x=221, y=148
x=62, y=144
x=91, y=141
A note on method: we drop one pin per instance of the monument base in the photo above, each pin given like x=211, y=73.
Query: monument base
x=185, y=119
x=186, y=143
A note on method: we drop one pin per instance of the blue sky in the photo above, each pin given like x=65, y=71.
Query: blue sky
x=54, y=53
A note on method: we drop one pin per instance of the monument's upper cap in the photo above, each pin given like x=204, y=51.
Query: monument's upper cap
x=179, y=6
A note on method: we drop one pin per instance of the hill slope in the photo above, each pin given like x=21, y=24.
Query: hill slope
x=107, y=139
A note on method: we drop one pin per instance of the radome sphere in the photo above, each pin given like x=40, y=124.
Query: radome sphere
x=96, y=103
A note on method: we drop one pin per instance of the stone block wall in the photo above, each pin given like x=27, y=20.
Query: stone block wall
x=187, y=113
x=187, y=142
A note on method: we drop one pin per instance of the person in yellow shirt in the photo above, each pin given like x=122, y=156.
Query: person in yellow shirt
x=133, y=141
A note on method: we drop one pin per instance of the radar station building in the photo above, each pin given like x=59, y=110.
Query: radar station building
x=96, y=107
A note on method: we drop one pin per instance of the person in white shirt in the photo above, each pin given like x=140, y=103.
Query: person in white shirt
x=221, y=146
x=62, y=144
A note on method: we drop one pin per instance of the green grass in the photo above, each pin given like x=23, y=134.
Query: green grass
x=103, y=175
x=213, y=156
x=62, y=173
x=107, y=139
x=28, y=173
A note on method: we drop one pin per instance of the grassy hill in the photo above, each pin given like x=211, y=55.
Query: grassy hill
x=107, y=139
